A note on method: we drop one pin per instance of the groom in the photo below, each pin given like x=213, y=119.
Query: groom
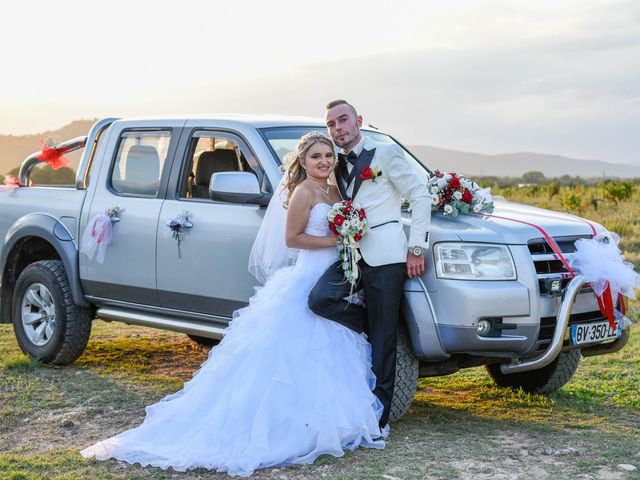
x=377, y=176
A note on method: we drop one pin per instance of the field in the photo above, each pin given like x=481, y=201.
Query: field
x=459, y=427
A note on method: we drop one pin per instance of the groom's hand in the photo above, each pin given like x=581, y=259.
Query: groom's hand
x=415, y=265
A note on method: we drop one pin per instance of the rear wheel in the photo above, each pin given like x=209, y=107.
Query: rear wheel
x=544, y=380
x=47, y=324
x=407, y=370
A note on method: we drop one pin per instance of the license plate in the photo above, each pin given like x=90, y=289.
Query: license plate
x=593, y=332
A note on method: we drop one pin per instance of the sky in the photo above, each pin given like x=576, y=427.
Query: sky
x=484, y=76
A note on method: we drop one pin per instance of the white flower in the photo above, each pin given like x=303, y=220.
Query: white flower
x=457, y=195
x=448, y=209
x=447, y=177
x=477, y=207
x=442, y=183
x=434, y=189
x=434, y=200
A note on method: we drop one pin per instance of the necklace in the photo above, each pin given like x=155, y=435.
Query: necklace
x=325, y=190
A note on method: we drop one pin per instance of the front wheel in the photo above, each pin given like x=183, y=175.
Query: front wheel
x=544, y=380
x=407, y=370
x=48, y=325
x=205, y=342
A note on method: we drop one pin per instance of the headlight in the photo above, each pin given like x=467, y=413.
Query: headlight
x=474, y=261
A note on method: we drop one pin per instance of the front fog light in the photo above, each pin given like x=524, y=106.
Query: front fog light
x=484, y=327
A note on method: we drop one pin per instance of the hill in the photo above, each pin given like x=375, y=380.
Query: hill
x=515, y=164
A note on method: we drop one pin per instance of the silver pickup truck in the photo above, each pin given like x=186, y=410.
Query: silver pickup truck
x=494, y=293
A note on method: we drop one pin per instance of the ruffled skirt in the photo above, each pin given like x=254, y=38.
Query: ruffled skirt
x=283, y=386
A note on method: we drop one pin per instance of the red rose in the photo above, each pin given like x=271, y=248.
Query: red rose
x=348, y=209
x=467, y=196
x=357, y=237
x=361, y=214
x=338, y=219
x=332, y=227
x=454, y=183
x=367, y=173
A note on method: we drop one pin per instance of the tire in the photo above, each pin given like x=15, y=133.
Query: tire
x=205, y=342
x=545, y=380
x=48, y=326
x=407, y=370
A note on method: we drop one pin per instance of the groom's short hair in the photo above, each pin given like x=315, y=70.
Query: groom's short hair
x=335, y=103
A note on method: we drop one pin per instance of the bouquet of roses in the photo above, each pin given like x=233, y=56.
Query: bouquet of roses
x=455, y=194
x=348, y=223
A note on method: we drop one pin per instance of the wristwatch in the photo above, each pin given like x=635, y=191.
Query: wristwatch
x=417, y=251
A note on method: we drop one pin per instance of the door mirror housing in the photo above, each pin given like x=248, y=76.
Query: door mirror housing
x=237, y=187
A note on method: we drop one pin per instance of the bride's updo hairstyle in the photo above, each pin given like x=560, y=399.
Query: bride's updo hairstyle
x=292, y=163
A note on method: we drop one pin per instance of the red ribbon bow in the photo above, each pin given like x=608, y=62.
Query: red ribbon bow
x=52, y=156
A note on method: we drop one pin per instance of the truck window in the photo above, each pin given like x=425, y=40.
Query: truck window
x=209, y=155
x=139, y=162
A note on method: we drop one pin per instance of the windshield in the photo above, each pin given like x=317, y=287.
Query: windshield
x=283, y=140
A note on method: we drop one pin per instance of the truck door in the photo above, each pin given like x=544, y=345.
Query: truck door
x=207, y=273
x=133, y=179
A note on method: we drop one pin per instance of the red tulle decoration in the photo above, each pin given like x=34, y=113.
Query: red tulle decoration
x=10, y=182
x=52, y=156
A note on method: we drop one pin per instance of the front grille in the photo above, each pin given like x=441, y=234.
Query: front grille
x=547, y=263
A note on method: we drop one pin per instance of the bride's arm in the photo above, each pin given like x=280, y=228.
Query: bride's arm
x=297, y=217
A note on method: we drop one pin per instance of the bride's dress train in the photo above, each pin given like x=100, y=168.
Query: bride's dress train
x=283, y=386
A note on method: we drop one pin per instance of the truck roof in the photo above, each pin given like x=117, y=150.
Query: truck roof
x=255, y=120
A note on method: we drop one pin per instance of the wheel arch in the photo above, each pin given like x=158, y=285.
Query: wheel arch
x=34, y=237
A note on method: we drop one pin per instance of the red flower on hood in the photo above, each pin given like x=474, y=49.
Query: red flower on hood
x=467, y=196
x=454, y=183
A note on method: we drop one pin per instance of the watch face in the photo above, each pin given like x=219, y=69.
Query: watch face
x=417, y=251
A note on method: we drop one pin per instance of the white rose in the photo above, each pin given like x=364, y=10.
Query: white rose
x=434, y=189
x=457, y=195
x=434, y=200
x=442, y=183
x=477, y=207
x=448, y=209
x=447, y=177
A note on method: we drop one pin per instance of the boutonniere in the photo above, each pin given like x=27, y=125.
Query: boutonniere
x=369, y=173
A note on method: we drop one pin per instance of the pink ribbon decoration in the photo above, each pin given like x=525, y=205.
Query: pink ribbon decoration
x=52, y=156
x=10, y=183
x=97, y=237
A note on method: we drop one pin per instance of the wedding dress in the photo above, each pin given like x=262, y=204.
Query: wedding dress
x=283, y=386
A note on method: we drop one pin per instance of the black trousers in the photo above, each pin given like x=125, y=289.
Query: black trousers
x=383, y=291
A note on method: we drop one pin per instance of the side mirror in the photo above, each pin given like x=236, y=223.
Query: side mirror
x=237, y=187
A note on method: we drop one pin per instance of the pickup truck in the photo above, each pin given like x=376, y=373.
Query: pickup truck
x=494, y=294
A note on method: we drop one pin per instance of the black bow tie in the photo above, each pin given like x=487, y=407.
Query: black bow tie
x=350, y=157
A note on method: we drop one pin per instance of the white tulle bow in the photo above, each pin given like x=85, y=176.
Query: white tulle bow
x=600, y=262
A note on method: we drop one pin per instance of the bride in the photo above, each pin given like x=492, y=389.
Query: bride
x=284, y=385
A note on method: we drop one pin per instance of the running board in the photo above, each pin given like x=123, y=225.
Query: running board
x=190, y=327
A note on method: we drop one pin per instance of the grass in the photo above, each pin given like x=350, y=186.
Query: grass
x=460, y=426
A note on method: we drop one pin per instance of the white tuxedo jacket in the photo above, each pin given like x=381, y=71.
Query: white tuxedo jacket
x=385, y=241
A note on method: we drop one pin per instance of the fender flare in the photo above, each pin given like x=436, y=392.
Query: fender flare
x=50, y=229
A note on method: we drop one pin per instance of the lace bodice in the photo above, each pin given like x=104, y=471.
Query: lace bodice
x=318, y=224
